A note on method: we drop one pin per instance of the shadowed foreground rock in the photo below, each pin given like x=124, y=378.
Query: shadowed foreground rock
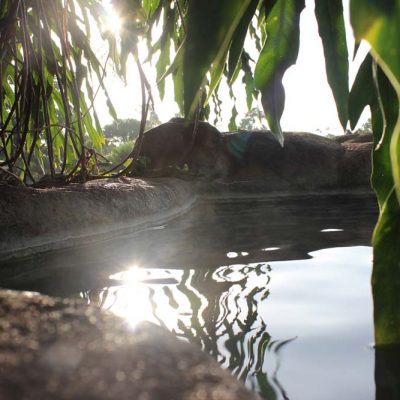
x=64, y=349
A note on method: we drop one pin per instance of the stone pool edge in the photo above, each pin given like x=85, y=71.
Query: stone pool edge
x=33, y=220
x=65, y=349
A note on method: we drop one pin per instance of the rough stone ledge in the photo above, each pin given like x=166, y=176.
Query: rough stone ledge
x=38, y=220
x=307, y=162
x=63, y=349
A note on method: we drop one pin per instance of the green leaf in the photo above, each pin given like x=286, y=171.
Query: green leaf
x=217, y=103
x=150, y=6
x=39, y=157
x=175, y=65
x=165, y=46
x=232, y=126
x=386, y=274
x=278, y=54
x=378, y=23
x=216, y=76
x=384, y=118
x=332, y=31
x=268, y=6
x=232, y=122
x=239, y=37
x=363, y=92
x=209, y=33
x=96, y=136
x=178, y=88
x=248, y=81
x=254, y=34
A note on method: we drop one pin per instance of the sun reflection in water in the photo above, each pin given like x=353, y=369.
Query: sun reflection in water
x=143, y=296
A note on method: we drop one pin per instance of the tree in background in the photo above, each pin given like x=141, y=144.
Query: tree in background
x=47, y=66
x=252, y=120
x=122, y=130
x=365, y=128
x=120, y=137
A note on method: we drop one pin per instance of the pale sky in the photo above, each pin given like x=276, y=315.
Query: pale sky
x=309, y=107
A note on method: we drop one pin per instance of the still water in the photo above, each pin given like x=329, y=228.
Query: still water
x=277, y=290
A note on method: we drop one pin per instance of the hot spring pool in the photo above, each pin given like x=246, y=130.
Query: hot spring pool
x=277, y=290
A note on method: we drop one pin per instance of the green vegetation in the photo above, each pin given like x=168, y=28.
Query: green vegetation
x=252, y=120
x=50, y=75
x=120, y=153
x=46, y=96
x=122, y=130
x=120, y=137
x=365, y=128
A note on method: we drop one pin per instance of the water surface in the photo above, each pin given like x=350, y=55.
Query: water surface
x=277, y=290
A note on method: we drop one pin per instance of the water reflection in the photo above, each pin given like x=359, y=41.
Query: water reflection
x=288, y=329
x=217, y=309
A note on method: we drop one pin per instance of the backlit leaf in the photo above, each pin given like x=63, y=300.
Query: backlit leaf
x=278, y=54
x=178, y=89
x=378, y=23
x=209, y=33
x=248, y=81
x=239, y=37
x=363, y=92
x=165, y=46
x=386, y=275
x=331, y=28
x=384, y=112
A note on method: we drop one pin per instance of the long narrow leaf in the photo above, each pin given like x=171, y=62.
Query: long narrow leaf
x=278, y=54
x=331, y=28
x=362, y=93
x=378, y=23
x=209, y=33
x=239, y=37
